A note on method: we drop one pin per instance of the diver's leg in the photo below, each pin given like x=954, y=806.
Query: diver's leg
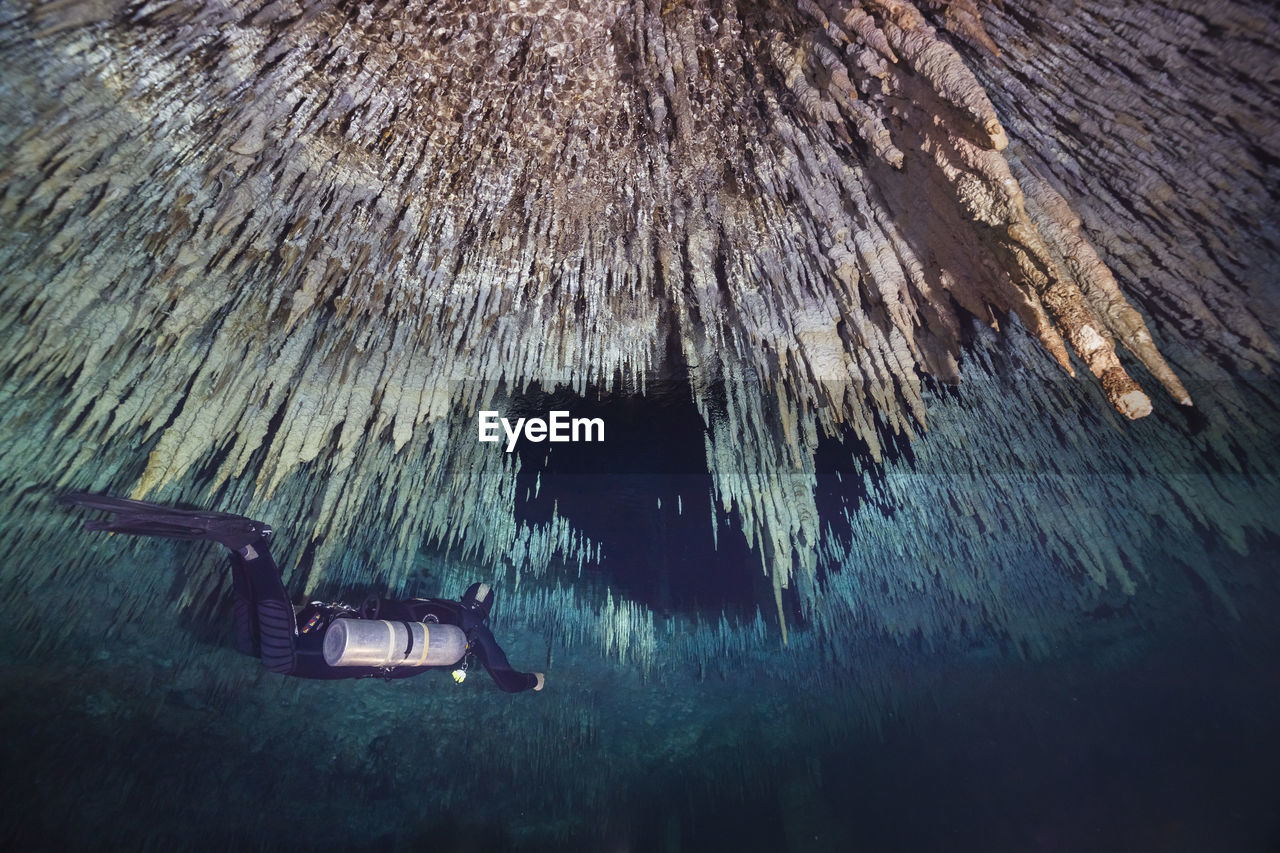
x=277, y=630
x=246, y=615
x=263, y=612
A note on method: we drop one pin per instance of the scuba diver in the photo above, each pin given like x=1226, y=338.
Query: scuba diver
x=384, y=637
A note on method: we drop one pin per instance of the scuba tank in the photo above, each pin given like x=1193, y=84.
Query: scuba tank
x=377, y=642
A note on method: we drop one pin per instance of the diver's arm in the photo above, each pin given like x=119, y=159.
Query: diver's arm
x=491, y=655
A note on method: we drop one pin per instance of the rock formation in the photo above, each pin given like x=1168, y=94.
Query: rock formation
x=288, y=250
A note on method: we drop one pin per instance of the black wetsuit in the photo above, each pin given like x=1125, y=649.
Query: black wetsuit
x=266, y=626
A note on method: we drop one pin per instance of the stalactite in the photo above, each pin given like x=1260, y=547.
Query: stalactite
x=289, y=253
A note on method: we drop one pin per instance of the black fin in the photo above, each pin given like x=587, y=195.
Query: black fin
x=142, y=518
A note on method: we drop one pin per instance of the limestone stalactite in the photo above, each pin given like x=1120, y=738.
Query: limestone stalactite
x=288, y=250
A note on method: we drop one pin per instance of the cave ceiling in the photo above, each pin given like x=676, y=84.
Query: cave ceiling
x=284, y=252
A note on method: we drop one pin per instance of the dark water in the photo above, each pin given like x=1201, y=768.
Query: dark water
x=1153, y=729
x=1147, y=735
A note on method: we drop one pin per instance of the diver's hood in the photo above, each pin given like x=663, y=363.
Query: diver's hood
x=479, y=597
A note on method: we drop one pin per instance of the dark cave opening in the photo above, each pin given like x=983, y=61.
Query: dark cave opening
x=643, y=494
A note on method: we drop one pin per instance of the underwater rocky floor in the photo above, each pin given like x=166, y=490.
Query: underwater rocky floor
x=1153, y=732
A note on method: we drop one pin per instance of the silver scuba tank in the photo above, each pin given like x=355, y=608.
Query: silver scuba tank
x=377, y=642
